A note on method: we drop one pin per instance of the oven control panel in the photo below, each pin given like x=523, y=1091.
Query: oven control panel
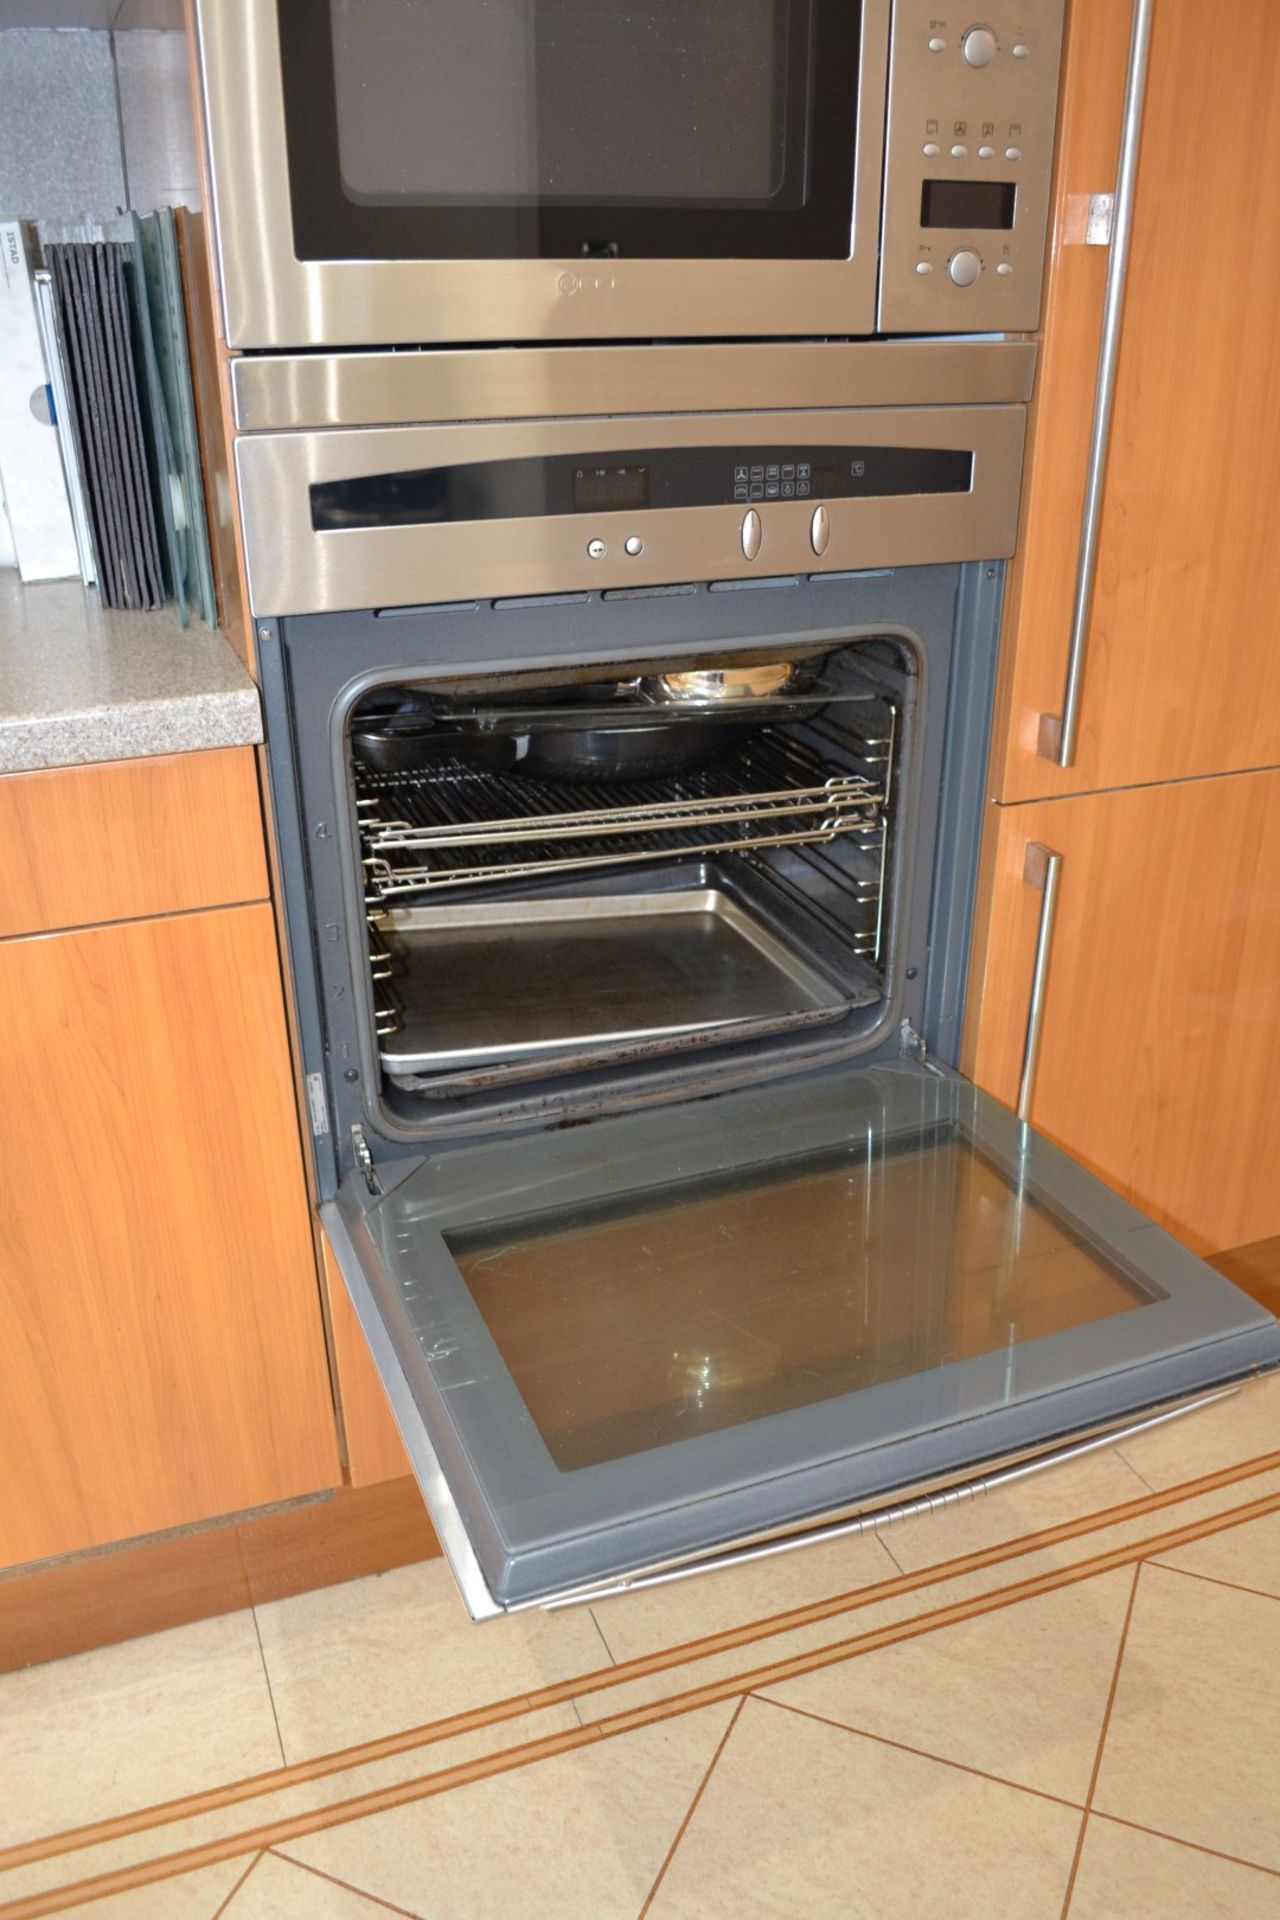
x=968, y=159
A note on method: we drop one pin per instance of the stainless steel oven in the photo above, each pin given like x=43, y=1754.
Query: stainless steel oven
x=420, y=171
x=628, y=829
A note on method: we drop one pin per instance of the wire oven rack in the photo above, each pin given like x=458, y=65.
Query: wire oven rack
x=457, y=826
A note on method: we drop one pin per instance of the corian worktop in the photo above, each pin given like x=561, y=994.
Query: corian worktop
x=78, y=684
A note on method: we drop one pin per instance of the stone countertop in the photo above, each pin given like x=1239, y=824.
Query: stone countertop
x=78, y=684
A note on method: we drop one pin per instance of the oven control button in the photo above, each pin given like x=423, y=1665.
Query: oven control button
x=751, y=534
x=633, y=544
x=964, y=267
x=819, y=530
x=596, y=549
x=979, y=46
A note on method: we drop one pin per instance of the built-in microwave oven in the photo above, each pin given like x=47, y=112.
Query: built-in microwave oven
x=423, y=171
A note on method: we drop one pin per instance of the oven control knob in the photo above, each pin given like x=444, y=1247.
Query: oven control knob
x=964, y=267
x=979, y=46
x=819, y=530
x=752, y=533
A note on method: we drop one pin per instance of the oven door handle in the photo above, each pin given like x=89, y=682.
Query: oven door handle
x=1059, y=732
x=879, y=1518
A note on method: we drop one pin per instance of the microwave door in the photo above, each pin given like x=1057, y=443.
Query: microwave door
x=639, y=1343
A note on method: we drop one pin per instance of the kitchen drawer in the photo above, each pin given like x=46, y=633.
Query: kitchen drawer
x=126, y=839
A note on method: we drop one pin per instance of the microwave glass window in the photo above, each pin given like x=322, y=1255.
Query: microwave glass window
x=572, y=129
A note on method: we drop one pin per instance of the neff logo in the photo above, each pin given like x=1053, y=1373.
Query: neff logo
x=587, y=283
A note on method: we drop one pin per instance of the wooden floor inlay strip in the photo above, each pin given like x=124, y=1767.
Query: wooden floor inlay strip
x=447, y=1779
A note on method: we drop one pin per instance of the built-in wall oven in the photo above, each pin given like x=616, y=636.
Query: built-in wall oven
x=627, y=774
x=413, y=171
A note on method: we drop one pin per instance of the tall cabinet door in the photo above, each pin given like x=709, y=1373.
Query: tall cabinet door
x=1159, y=1056
x=160, y=1326
x=1182, y=673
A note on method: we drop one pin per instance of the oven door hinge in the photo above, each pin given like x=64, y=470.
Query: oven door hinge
x=364, y=1159
x=911, y=1044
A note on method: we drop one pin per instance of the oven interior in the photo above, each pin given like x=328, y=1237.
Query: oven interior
x=575, y=872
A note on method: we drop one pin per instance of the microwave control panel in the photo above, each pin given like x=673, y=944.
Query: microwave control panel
x=968, y=157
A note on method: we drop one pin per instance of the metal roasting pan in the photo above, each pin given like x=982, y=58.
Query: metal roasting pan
x=497, y=981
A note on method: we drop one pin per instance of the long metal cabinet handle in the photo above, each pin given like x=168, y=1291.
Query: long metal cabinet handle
x=1043, y=870
x=1058, y=733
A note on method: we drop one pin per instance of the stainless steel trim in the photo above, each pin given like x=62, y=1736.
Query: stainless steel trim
x=294, y=569
x=272, y=299
x=871, y=1522
x=1042, y=869
x=1059, y=732
x=439, y=384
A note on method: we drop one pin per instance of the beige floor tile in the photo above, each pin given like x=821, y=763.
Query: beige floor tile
x=373, y=1656
x=802, y=1819
x=639, y=1623
x=580, y=1837
x=1236, y=1429
x=189, y=1896
x=1126, y=1875
x=1078, y=1487
x=103, y=1732
x=1247, y=1555
x=111, y=1856
x=1193, y=1743
x=279, y=1890
x=1019, y=1692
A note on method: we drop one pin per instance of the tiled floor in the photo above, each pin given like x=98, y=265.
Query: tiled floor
x=1064, y=1701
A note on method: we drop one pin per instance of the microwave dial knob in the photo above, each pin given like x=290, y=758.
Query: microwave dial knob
x=964, y=267
x=979, y=46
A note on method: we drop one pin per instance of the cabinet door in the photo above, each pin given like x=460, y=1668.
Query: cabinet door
x=1182, y=672
x=160, y=1321
x=1159, y=1064
x=375, y=1450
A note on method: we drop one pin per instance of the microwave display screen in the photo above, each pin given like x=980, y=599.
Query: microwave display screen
x=553, y=129
x=984, y=204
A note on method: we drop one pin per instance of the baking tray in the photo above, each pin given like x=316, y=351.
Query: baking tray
x=508, y=980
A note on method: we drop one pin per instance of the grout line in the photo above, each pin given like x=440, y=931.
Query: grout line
x=889, y=1550
x=1102, y=1741
x=600, y=1630
x=1196, y=1846
x=253, y=1861
x=692, y=1808
x=1135, y=1471
x=577, y=1713
x=669, y=1659
x=1212, y=1580
x=922, y=1753
x=465, y=1773
x=266, y=1674
x=375, y=1900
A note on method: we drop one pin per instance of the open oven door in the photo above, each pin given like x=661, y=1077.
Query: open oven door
x=632, y=1346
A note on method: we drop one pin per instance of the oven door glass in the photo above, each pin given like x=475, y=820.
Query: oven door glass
x=550, y=129
x=642, y=1340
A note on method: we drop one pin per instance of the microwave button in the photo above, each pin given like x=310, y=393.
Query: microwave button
x=633, y=545
x=936, y=45
x=1013, y=153
x=803, y=489
x=820, y=530
x=979, y=46
x=964, y=267
x=742, y=492
x=924, y=266
x=771, y=489
x=788, y=489
x=959, y=152
x=1020, y=52
x=596, y=549
x=986, y=153
x=931, y=149
x=739, y=475
x=751, y=534
x=1004, y=269
x=804, y=470
x=757, y=489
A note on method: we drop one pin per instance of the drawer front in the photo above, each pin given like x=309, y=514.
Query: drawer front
x=126, y=839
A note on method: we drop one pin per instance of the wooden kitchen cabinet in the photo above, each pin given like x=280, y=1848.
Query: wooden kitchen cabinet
x=1183, y=671
x=163, y=1345
x=375, y=1450
x=1160, y=1058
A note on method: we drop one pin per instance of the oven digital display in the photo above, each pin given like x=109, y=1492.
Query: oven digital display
x=967, y=203
x=610, y=489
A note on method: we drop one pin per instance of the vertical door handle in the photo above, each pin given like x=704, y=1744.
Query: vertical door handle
x=1041, y=869
x=1059, y=732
